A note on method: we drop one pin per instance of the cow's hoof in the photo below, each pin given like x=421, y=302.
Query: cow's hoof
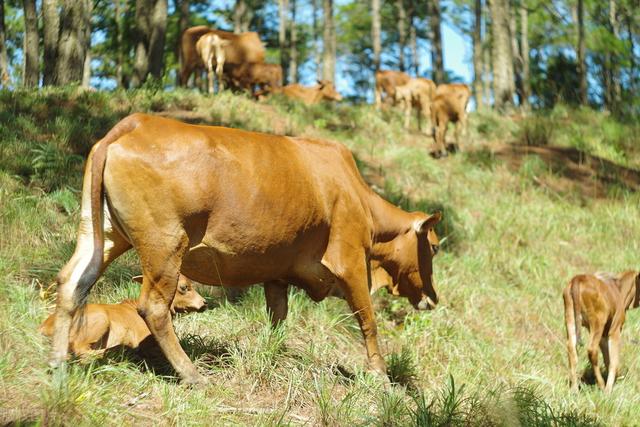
x=57, y=360
x=195, y=381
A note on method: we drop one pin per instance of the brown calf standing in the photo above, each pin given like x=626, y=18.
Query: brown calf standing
x=210, y=48
x=387, y=81
x=449, y=105
x=599, y=302
x=249, y=74
x=105, y=326
x=416, y=93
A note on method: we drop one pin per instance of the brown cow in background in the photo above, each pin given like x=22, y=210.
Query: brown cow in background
x=387, y=81
x=243, y=47
x=416, y=93
x=449, y=105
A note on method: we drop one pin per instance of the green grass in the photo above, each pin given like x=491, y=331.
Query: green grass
x=492, y=353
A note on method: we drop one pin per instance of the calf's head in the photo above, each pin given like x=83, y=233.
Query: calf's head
x=407, y=264
x=329, y=91
x=186, y=299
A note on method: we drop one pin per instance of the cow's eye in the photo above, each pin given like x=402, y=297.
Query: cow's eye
x=183, y=289
x=435, y=248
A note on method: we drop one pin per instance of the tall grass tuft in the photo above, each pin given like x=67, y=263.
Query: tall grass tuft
x=536, y=130
x=402, y=368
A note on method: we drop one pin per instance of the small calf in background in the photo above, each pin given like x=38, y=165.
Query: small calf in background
x=210, y=48
x=599, y=302
x=105, y=326
x=416, y=93
x=449, y=105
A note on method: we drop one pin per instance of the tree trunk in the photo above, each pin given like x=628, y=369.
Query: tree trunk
x=614, y=59
x=436, y=42
x=183, y=23
x=402, y=32
x=151, y=21
x=51, y=29
x=4, y=61
x=239, y=9
x=524, y=54
x=293, y=47
x=156, y=42
x=515, y=55
x=72, y=42
x=31, y=65
x=120, y=7
x=328, y=42
x=633, y=76
x=375, y=33
x=501, y=58
x=477, y=55
x=317, y=53
x=413, y=42
x=577, y=12
x=486, y=57
x=86, y=72
x=283, y=8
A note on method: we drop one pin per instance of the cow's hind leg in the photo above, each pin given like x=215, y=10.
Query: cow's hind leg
x=592, y=350
x=161, y=267
x=614, y=359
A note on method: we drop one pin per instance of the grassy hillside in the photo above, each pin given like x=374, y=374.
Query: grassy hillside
x=520, y=220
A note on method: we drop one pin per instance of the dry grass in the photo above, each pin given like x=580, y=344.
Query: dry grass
x=491, y=354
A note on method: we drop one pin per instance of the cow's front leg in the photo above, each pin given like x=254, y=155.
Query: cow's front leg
x=275, y=293
x=356, y=292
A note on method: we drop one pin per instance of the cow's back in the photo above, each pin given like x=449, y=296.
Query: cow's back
x=243, y=47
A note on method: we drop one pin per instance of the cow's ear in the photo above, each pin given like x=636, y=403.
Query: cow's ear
x=423, y=226
x=137, y=279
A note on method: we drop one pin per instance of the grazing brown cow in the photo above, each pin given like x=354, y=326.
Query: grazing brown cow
x=246, y=76
x=210, y=48
x=599, y=302
x=449, y=105
x=231, y=207
x=243, y=47
x=416, y=93
x=105, y=326
x=324, y=90
x=387, y=81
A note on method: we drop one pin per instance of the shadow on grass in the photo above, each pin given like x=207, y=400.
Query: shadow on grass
x=148, y=357
x=591, y=175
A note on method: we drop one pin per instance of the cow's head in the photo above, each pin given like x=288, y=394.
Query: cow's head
x=328, y=90
x=405, y=266
x=186, y=299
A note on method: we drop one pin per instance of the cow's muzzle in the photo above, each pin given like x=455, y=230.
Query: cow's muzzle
x=426, y=303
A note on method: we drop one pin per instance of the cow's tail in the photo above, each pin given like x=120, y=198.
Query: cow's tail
x=572, y=312
x=98, y=159
x=577, y=310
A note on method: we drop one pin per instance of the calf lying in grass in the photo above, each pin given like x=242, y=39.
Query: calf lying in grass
x=105, y=326
x=599, y=302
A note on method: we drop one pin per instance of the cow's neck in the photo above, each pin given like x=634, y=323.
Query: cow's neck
x=389, y=221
